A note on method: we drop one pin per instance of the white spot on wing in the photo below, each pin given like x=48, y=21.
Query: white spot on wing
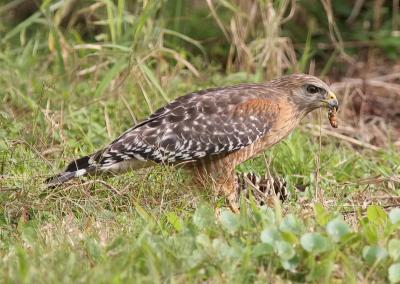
x=80, y=172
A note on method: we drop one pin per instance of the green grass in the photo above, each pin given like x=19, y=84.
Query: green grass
x=150, y=226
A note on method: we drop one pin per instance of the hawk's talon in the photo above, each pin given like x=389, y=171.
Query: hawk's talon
x=233, y=204
x=262, y=188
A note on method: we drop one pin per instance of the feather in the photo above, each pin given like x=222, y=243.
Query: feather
x=75, y=169
x=64, y=177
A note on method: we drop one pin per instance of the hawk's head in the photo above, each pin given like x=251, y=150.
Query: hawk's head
x=307, y=92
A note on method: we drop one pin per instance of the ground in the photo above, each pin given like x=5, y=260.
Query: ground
x=151, y=226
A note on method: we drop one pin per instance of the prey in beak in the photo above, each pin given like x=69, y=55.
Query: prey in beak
x=333, y=106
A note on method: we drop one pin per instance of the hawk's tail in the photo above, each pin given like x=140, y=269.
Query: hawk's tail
x=77, y=168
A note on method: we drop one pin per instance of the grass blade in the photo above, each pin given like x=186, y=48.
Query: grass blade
x=114, y=71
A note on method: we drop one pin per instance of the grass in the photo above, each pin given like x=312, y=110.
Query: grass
x=60, y=99
x=149, y=226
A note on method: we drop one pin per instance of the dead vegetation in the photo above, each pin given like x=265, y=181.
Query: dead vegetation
x=371, y=107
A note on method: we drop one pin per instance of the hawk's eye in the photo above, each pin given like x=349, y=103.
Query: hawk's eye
x=312, y=89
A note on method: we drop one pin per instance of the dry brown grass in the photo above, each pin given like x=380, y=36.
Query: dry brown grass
x=254, y=34
x=370, y=106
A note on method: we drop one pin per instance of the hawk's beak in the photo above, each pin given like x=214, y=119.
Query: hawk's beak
x=331, y=100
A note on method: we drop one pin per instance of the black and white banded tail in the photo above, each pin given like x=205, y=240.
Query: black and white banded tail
x=77, y=168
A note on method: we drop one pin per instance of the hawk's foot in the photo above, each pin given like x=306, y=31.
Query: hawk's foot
x=263, y=188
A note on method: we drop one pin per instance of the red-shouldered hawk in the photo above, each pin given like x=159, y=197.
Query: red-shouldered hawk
x=211, y=131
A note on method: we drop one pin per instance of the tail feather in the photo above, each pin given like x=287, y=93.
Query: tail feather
x=95, y=164
x=79, y=164
x=75, y=169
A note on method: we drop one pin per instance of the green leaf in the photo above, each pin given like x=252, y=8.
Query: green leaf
x=230, y=221
x=270, y=236
x=174, y=220
x=285, y=250
x=314, y=243
x=267, y=215
x=23, y=263
x=224, y=250
x=203, y=240
x=261, y=249
x=203, y=217
x=290, y=224
x=376, y=214
x=394, y=273
x=370, y=232
x=337, y=229
x=93, y=248
x=320, y=272
x=394, y=216
x=29, y=235
x=321, y=215
x=291, y=264
x=373, y=254
x=144, y=214
x=394, y=249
